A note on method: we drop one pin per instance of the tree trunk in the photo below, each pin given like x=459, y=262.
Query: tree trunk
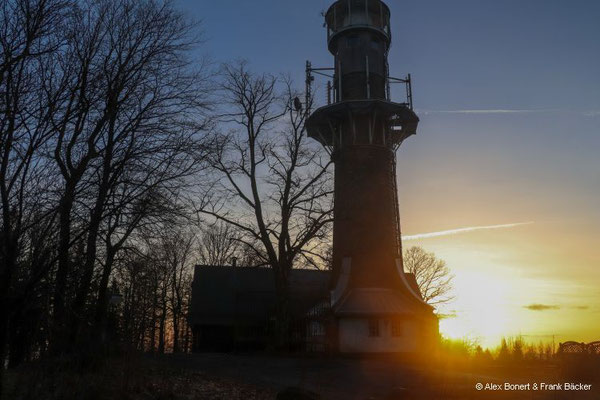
x=283, y=321
x=84, y=286
x=186, y=339
x=103, y=300
x=17, y=338
x=176, y=308
x=175, y=331
x=141, y=334
x=59, y=319
x=5, y=279
x=92, y=245
x=8, y=259
x=163, y=319
x=153, y=320
x=3, y=336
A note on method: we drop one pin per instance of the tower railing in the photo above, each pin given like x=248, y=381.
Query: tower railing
x=334, y=85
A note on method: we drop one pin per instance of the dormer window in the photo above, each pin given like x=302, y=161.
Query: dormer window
x=373, y=327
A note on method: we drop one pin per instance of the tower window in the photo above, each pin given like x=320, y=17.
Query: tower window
x=396, y=328
x=375, y=42
x=373, y=327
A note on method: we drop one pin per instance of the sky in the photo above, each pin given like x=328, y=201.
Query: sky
x=508, y=94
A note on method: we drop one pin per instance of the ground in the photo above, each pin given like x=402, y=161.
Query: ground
x=247, y=377
x=379, y=378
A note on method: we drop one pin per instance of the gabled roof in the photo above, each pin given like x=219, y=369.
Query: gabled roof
x=374, y=301
x=383, y=301
x=224, y=295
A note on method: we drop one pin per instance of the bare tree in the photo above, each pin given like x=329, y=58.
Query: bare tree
x=177, y=251
x=157, y=279
x=139, y=286
x=270, y=182
x=78, y=118
x=433, y=276
x=125, y=94
x=28, y=33
x=219, y=245
x=102, y=118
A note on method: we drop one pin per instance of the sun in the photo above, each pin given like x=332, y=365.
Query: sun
x=480, y=311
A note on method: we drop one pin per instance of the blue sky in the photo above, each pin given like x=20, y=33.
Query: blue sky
x=530, y=69
x=462, y=54
x=508, y=93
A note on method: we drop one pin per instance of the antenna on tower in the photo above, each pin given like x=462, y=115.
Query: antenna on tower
x=308, y=90
x=310, y=79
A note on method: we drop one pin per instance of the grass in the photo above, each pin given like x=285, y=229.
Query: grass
x=132, y=378
x=453, y=374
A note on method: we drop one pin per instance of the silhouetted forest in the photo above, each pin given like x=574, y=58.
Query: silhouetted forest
x=101, y=118
x=126, y=158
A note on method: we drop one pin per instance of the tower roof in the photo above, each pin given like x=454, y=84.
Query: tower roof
x=345, y=15
x=376, y=301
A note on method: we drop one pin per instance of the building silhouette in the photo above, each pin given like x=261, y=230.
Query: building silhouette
x=374, y=307
x=366, y=303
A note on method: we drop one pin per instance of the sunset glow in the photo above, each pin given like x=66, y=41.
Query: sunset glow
x=502, y=179
x=503, y=289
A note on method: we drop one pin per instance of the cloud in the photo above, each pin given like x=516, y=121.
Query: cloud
x=541, y=307
x=462, y=230
x=580, y=307
x=490, y=111
x=586, y=113
x=592, y=113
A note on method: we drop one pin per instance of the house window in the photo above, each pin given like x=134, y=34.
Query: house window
x=373, y=327
x=316, y=328
x=396, y=328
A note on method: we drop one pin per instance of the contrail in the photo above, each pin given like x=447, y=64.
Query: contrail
x=586, y=113
x=462, y=230
x=492, y=111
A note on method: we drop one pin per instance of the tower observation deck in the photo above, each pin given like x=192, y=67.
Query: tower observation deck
x=362, y=128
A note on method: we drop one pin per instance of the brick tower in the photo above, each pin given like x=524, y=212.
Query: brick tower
x=377, y=307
